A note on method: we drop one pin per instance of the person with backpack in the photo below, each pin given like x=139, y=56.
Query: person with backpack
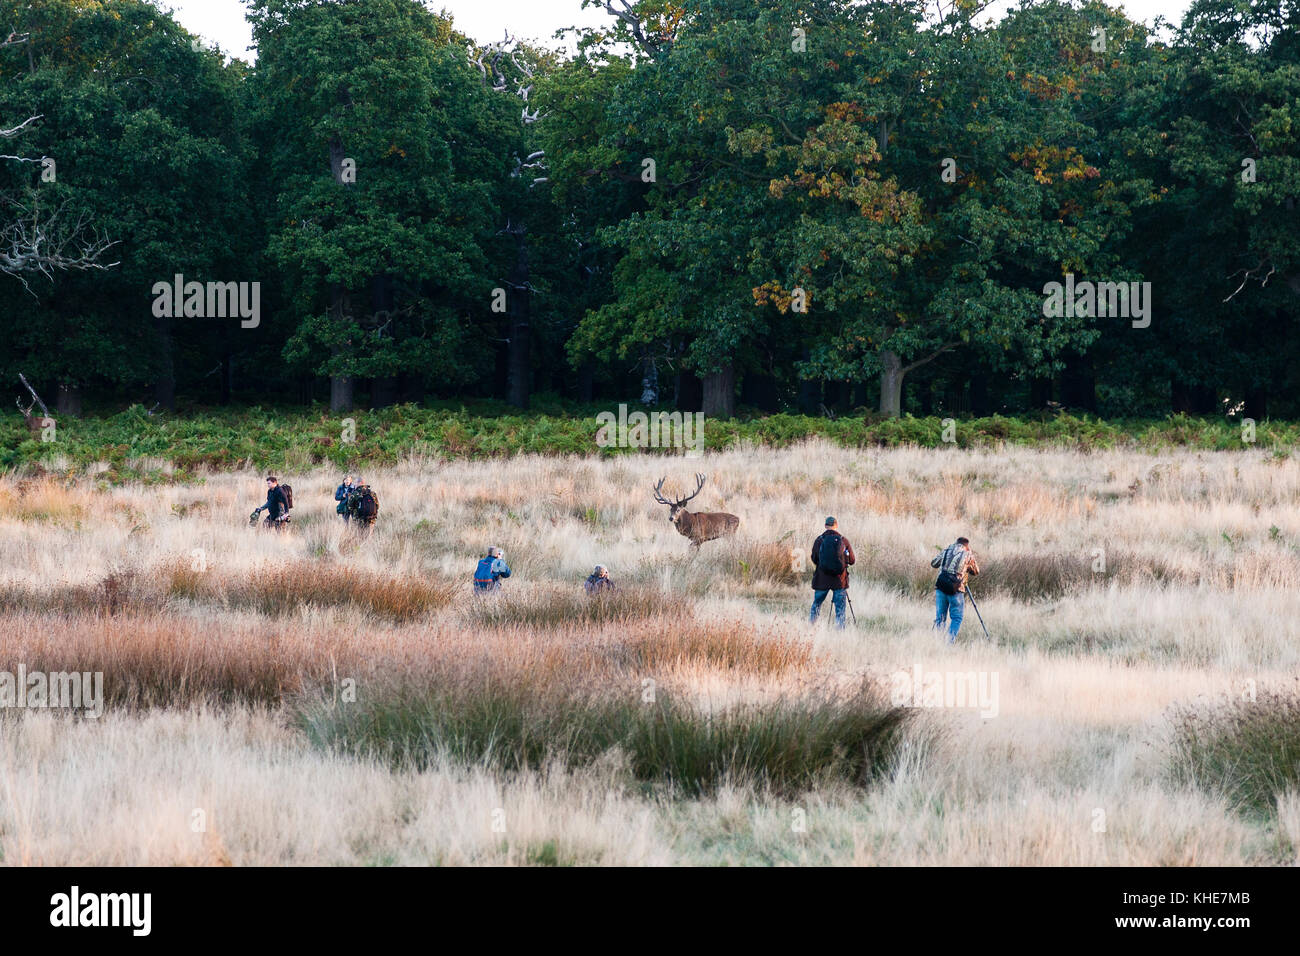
x=341, y=496
x=831, y=556
x=955, y=564
x=490, y=571
x=362, y=504
x=599, y=582
x=279, y=499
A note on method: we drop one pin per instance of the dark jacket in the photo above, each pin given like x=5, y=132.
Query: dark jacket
x=276, y=503
x=824, y=580
x=595, y=584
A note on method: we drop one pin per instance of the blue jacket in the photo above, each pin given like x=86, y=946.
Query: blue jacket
x=341, y=496
x=488, y=574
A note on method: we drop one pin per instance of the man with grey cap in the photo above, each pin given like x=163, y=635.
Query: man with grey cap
x=490, y=571
x=599, y=582
x=831, y=556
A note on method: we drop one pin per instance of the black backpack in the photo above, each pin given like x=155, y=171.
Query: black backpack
x=288, y=497
x=363, y=503
x=831, y=560
x=948, y=581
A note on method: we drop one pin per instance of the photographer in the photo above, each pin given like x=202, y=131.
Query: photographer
x=955, y=564
x=341, y=496
x=831, y=556
x=277, y=505
x=599, y=582
x=490, y=571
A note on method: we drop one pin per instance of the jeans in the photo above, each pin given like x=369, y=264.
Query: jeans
x=839, y=597
x=951, y=606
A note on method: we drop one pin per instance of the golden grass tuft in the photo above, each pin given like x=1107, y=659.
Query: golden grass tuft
x=44, y=500
x=283, y=589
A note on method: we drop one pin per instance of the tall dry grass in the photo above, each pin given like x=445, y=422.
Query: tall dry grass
x=185, y=609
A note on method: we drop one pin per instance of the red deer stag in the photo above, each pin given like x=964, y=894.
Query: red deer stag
x=701, y=526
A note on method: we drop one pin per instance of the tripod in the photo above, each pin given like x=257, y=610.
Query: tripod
x=977, y=613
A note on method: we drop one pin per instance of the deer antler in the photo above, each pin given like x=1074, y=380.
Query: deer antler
x=699, y=485
x=680, y=501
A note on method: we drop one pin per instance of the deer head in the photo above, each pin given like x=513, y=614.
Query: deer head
x=676, y=508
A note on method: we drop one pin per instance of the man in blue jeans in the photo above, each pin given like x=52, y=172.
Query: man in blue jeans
x=955, y=564
x=831, y=556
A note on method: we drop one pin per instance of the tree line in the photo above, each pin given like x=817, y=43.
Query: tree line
x=809, y=205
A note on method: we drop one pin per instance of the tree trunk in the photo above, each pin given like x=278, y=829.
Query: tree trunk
x=891, y=384
x=340, y=385
x=67, y=402
x=649, y=381
x=979, y=395
x=1192, y=399
x=833, y=393
x=519, y=384
x=411, y=388
x=1040, y=392
x=1079, y=384
x=164, y=389
x=227, y=377
x=720, y=393
x=808, y=392
x=1256, y=403
x=689, y=393
x=759, y=390
x=340, y=393
x=1180, y=397
x=586, y=381
x=386, y=390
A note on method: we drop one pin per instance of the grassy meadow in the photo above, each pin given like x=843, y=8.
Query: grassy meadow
x=318, y=697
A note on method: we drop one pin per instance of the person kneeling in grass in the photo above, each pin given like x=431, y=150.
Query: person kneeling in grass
x=599, y=582
x=490, y=571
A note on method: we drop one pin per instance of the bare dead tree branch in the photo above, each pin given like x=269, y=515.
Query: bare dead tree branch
x=14, y=131
x=36, y=399
x=1248, y=274
x=628, y=15
x=489, y=58
x=41, y=244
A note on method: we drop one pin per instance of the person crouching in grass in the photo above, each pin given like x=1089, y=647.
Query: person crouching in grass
x=491, y=569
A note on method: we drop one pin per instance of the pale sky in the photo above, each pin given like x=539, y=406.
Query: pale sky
x=222, y=21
